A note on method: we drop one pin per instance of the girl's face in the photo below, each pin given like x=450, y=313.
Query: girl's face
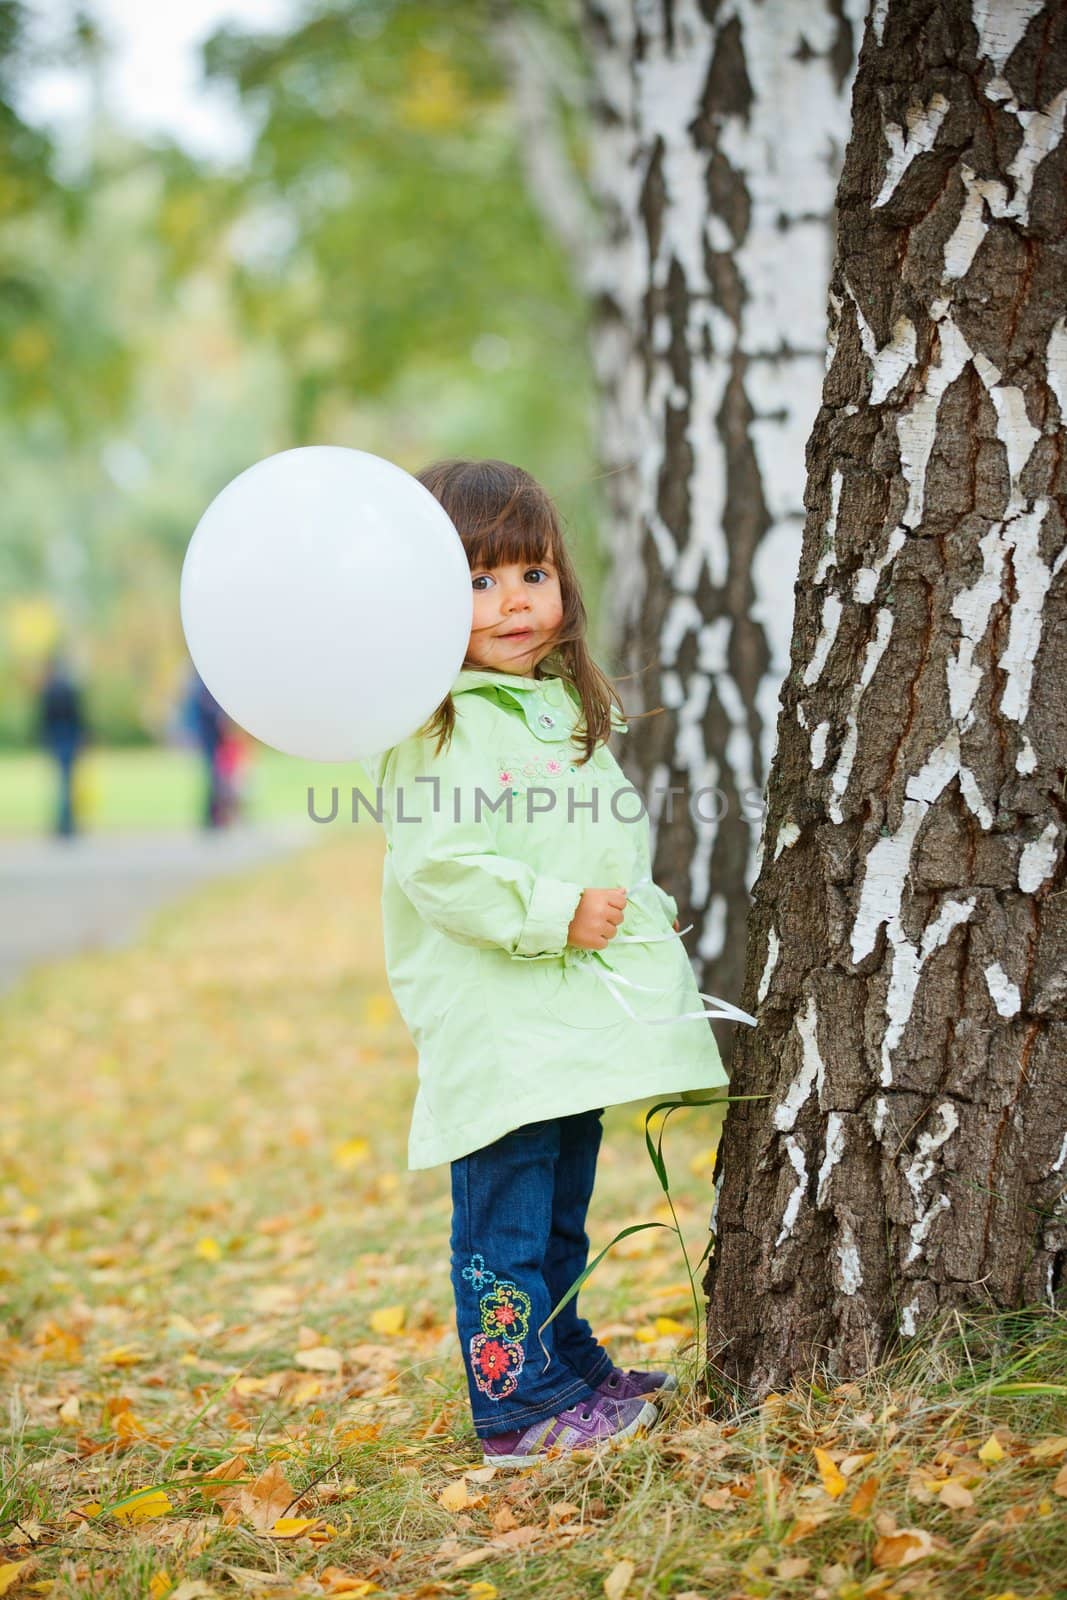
x=517, y=611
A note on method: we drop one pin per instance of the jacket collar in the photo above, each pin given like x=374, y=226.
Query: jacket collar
x=479, y=678
x=516, y=683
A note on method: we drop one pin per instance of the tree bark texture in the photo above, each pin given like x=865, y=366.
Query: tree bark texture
x=907, y=943
x=720, y=133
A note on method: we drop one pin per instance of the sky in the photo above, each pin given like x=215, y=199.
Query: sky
x=152, y=80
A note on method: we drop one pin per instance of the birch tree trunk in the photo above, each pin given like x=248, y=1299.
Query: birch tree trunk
x=907, y=947
x=720, y=132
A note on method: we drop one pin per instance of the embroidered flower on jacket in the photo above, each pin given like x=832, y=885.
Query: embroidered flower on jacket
x=477, y=1273
x=496, y=1364
x=506, y=1311
x=518, y=767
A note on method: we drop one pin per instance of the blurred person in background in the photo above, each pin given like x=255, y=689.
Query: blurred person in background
x=63, y=731
x=231, y=760
x=223, y=750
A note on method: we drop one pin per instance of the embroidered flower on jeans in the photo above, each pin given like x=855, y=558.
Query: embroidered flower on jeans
x=477, y=1275
x=506, y=1311
x=496, y=1364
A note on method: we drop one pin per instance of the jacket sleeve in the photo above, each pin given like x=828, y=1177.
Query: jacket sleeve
x=670, y=905
x=453, y=872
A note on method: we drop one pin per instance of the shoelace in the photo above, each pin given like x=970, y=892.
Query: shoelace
x=614, y=980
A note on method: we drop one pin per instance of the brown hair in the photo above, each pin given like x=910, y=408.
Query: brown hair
x=502, y=516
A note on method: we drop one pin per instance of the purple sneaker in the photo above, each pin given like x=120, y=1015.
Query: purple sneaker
x=590, y=1422
x=631, y=1385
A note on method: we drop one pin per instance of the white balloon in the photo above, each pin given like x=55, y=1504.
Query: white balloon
x=326, y=601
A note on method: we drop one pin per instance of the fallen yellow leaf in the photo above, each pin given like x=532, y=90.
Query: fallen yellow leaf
x=805, y=1525
x=388, y=1319
x=992, y=1451
x=123, y=1355
x=336, y=1581
x=267, y=1498
x=359, y=1434
x=209, y=1249
x=320, y=1358
x=292, y=1527
x=863, y=1498
x=162, y=1583
x=223, y=1484
x=456, y=1498
x=152, y=1503
x=483, y=1591
x=1049, y=1449
x=832, y=1480
x=308, y=1389
x=901, y=1548
x=618, y=1580
x=9, y=1574
x=129, y=1426
x=350, y=1153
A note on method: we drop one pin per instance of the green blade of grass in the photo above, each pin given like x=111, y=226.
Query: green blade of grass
x=637, y=1227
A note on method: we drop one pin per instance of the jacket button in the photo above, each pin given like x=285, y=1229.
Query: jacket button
x=546, y=721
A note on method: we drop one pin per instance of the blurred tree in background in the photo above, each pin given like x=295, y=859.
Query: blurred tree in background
x=375, y=275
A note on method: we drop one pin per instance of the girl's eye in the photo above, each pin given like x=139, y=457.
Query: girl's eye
x=476, y=581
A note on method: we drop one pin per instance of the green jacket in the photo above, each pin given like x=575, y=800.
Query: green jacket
x=512, y=1024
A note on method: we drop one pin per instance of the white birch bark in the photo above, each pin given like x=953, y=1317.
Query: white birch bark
x=721, y=130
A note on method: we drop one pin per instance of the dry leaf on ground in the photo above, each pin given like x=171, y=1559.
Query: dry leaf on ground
x=901, y=1548
x=618, y=1580
x=832, y=1480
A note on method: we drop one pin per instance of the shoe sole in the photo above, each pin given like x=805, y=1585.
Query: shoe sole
x=646, y=1418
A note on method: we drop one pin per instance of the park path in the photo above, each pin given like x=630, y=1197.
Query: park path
x=62, y=896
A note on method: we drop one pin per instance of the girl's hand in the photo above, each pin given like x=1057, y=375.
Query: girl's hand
x=597, y=918
x=676, y=928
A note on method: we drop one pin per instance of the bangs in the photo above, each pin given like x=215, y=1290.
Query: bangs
x=515, y=542
x=503, y=516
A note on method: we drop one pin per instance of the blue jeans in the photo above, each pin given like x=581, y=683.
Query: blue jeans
x=518, y=1243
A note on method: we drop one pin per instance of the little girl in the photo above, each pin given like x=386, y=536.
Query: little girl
x=537, y=966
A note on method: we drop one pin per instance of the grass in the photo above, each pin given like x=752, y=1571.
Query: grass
x=163, y=788
x=224, y=1301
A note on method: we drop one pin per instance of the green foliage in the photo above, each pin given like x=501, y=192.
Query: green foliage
x=386, y=224
x=61, y=360
x=374, y=276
